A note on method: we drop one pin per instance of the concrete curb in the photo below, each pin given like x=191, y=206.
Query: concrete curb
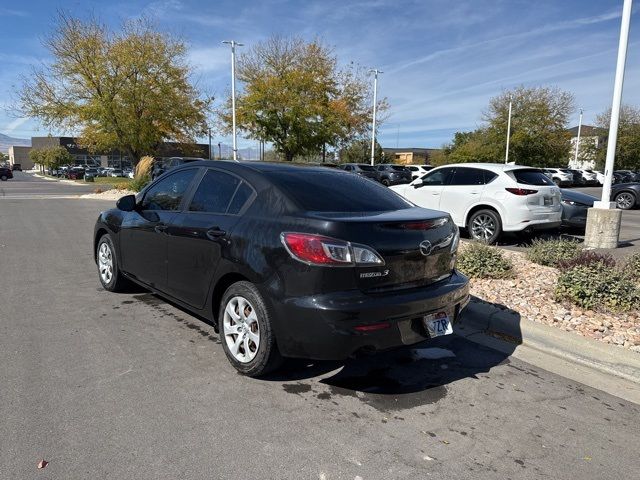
x=60, y=180
x=487, y=319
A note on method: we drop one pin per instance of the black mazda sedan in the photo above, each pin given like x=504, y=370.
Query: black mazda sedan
x=287, y=261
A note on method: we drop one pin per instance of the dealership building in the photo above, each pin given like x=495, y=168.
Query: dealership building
x=113, y=158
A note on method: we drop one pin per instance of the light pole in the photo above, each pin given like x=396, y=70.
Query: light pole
x=506, y=153
x=233, y=44
x=375, y=72
x=603, y=221
x=575, y=157
x=209, y=132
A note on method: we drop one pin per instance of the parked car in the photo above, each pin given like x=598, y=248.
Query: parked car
x=488, y=199
x=5, y=173
x=574, y=208
x=418, y=170
x=16, y=167
x=599, y=177
x=622, y=176
x=629, y=175
x=590, y=177
x=559, y=177
x=577, y=178
x=90, y=173
x=75, y=173
x=287, y=261
x=393, y=174
x=116, y=172
x=626, y=195
x=361, y=169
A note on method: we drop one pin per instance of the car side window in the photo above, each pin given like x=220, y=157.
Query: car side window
x=167, y=194
x=214, y=193
x=467, y=176
x=437, y=177
x=381, y=168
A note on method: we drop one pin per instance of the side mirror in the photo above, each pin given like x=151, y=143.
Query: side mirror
x=127, y=203
x=417, y=183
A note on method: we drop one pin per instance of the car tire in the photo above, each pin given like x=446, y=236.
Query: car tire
x=108, y=269
x=4, y=178
x=385, y=182
x=485, y=226
x=625, y=200
x=246, y=332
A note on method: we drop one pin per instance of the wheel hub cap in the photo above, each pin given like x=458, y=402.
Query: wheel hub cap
x=105, y=262
x=241, y=329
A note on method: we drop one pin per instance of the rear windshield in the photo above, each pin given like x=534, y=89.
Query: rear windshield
x=337, y=192
x=366, y=168
x=531, y=176
x=397, y=167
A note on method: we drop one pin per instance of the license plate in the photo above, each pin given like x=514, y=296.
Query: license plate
x=548, y=201
x=437, y=324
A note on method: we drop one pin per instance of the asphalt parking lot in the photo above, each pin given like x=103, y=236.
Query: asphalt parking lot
x=127, y=386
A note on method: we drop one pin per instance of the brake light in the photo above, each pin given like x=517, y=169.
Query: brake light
x=320, y=250
x=521, y=191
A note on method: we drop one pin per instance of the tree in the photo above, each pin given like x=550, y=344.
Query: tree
x=297, y=98
x=359, y=151
x=538, y=129
x=126, y=90
x=628, y=143
x=50, y=157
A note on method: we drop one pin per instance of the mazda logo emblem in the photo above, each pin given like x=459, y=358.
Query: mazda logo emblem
x=426, y=248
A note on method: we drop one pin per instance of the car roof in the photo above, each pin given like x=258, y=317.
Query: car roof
x=494, y=167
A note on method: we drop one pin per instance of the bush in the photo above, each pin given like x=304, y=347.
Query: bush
x=598, y=286
x=585, y=258
x=139, y=183
x=551, y=252
x=479, y=260
x=632, y=266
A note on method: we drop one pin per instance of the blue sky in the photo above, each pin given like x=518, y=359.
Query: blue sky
x=442, y=59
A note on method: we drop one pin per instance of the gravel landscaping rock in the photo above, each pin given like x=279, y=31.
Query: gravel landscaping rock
x=531, y=294
x=111, y=194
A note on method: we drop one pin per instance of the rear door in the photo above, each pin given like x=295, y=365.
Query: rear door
x=143, y=235
x=463, y=191
x=199, y=235
x=428, y=193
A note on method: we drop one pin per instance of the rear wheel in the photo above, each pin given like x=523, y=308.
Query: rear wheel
x=485, y=226
x=625, y=200
x=4, y=178
x=246, y=330
x=385, y=182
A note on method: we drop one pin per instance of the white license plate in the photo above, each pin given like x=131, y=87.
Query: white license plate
x=437, y=324
x=548, y=201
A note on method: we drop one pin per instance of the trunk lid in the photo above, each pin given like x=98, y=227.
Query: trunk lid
x=415, y=244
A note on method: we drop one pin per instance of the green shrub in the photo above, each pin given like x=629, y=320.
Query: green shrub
x=139, y=183
x=479, y=260
x=598, y=286
x=551, y=252
x=586, y=258
x=632, y=266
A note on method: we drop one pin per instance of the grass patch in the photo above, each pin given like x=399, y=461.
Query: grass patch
x=113, y=181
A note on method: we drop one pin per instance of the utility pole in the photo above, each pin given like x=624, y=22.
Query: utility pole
x=233, y=44
x=375, y=72
x=219, y=151
x=506, y=153
x=209, y=131
x=575, y=157
x=603, y=220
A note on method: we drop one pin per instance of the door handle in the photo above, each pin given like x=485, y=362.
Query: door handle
x=160, y=228
x=215, y=233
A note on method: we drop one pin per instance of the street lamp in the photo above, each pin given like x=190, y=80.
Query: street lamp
x=575, y=156
x=603, y=221
x=375, y=101
x=506, y=153
x=233, y=44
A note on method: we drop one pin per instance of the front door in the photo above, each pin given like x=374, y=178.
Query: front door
x=201, y=235
x=427, y=194
x=143, y=235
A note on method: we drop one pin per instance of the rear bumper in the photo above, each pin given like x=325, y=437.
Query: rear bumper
x=322, y=327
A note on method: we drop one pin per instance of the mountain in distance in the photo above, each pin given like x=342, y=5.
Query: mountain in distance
x=6, y=141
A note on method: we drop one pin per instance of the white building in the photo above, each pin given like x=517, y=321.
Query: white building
x=586, y=152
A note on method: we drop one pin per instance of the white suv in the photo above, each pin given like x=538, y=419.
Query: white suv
x=488, y=198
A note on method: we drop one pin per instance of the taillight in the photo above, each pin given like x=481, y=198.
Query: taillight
x=320, y=250
x=419, y=225
x=521, y=191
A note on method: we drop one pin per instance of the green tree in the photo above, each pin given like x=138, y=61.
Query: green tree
x=628, y=142
x=538, y=129
x=297, y=98
x=127, y=90
x=359, y=151
x=51, y=157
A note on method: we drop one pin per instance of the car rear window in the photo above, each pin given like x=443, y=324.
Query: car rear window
x=398, y=167
x=367, y=168
x=337, y=192
x=531, y=176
